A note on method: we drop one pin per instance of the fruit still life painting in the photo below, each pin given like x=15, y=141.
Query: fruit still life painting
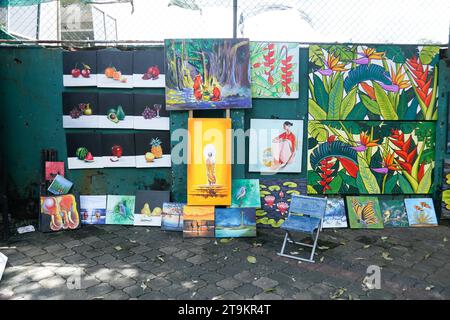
x=116, y=114
x=84, y=154
x=114, y=74
x=364, y=213
x=120, y=210
x=59, y=213
x=79, y=68
x=149, y=207
x=421, y=212
x=207, y=74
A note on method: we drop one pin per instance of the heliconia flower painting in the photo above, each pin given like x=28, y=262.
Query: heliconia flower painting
x=382, y=82
x=371, y=157
x=207, y=74
x=274, y=69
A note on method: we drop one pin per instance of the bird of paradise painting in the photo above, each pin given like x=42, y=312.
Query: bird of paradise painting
x=209, y=162
x=371, y=157
x=382, y=82
x=207, y=74
x=274, y=69
x=421, y=212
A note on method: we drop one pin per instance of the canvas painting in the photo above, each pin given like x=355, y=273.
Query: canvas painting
x=172, y=216
x=93, y=209
x=371, y=157
x=275, y=145
x=115, y=68
x=209, y=162
x=80, y=110
x=148, y=68
x=198, y=222
x=381, y=82
x=118, y=150
x=58, y=213
x=335, y=216
x=84, y=150
x=421, y=212
x=150, y=112
x=364, y=213
x=275, y=197
x=235, y=222
x=148, y=208
x=116, y=111
x=153, y=149
x=445, y=204
x=394, y=213
x=120, y=210
x=52, y=169
x=207, y=74
x=274, y=69
x=245, y=193
x=60, y=186
x=79, y=68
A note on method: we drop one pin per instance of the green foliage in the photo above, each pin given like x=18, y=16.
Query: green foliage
x=362, y=73
x=428, y=54
x=335, y=99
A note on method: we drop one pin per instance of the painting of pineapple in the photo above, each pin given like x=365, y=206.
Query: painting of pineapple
x=156, y=148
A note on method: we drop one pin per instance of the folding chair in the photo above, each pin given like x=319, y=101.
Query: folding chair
x=305, y=216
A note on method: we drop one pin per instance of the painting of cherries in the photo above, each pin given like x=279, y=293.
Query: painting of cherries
x=79, y=68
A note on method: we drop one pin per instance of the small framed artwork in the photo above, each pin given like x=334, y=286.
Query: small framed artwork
x=80, y=110
x=93, y=209
x=58, y=213
x=421, y=212
x=60, y=186
x=148, y=209
x=394, y=212
x=115, y=68
x=150, y=112
x=153, y=149
x=52, y=169
x=235, y=222
x=245, y=193
x=120, y=209
x=79, y=68
x=198, y=222
x=116, y=110
x=335, y=216
x=172, y=216
x=118, y=150
x=364, y=213
x=148, y=68
x=84, y=150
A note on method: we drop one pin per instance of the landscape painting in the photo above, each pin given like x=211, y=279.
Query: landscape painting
x=80, y=110
x=235, y=222
x=275, y=145
x=335, y=216
x=84, y=150
x=148, y=68
x=198, y=221
x=152, y=149
x=207, y=74
x=209, y=162
x=120, y=209
x=118, y=150
x=394, y=212
x=421, y=212
x=364, y=213
x=114, y=68
x=93, y=209
x=150, y=112
x=148, y=207
x=79, y=68
x=116, y=111
x=245, y=193
x=275, y=197
x=380, y=82
x=371, y=157
x=58, y=213
x=274, y=69
x=172, y=216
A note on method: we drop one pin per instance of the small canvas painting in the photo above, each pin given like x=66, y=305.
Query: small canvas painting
x=148, y=209
x=148, y=68
x=80, y=110
x=153, y=149
x=52, y=169
x=421, y=212
x=245, y=193
x=150, y=112
x=118, y=150
x=394, y=213
x=235, y=222
x=172, y=216
x=335, y=216
x=116, y=111
x=364, y=213
x=84, y=150
x=445, y=204
x=115, y=68
x=275, y=145
x=120, y=210
x=198, y=221
x=93, y=209
x=58, y=213
x=79, y=68
x=60, y=186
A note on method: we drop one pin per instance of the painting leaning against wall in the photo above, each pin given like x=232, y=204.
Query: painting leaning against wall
x=382, y=82
x=371, y=157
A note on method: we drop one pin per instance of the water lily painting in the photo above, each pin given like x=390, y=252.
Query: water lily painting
x=207, y=74
x=274, y=69
x=421, y=212
x=371, y=157
x=382, y=82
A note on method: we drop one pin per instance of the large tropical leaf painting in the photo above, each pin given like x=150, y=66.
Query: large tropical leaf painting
x=274, y=69
x=370, y=157
x=373, y=83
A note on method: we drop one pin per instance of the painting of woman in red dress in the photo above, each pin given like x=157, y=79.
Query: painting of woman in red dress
x=284, y=147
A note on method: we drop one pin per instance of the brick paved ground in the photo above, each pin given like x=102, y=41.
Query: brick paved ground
x=117, y=262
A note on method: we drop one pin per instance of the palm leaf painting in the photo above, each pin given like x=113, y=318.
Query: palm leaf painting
x=371, y=157
x=386, y=82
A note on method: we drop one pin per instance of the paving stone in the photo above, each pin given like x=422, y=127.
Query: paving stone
x=265, y=283
x=197, y=259
x=267, y=296
x=248, y=290
x=99, y=290
x=116, y=295
x=230, y=295
x=121, y=282
x=229, y=283
x=153, y=296
x=245, y=276
x=53, y=282
x=169, y=250
x=158, y=283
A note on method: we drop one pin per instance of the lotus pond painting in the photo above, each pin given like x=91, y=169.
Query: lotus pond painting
x=370, y=157
x=274, y=69
x=207, y=74
x=421, y=212
x=364, y=213
x=382, y=82
x=235, y=222
x=394, y=213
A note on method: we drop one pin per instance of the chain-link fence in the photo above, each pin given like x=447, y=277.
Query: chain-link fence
x=115, y=21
